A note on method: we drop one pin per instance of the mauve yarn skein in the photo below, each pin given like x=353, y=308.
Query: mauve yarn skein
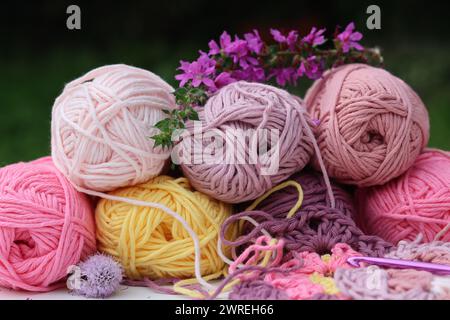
x=102, y=124
x=372, y=125
x=46, y=226
x=252, y=106
x=417, y=202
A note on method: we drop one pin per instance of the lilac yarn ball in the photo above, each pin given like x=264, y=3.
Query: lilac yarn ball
x=101, y=276
x=247, y=109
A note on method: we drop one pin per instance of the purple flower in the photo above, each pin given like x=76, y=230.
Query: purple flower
x=223, y=79
x=238, y=51
x=284, y=76
x=100, y=277
x=349, y=39
x=290, y=39
x=310, y=67
x=252, y=73
x=225, y=40
x=254, y=42
x=198, y=72
x=315, y=37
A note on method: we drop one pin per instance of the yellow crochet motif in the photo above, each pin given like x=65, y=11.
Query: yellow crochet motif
x=327, y=283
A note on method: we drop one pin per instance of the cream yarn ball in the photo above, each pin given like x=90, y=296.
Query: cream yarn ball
x=102, y=124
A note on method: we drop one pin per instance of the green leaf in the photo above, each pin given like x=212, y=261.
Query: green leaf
x=193, y=115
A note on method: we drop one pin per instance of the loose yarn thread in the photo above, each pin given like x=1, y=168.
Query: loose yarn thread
x=315, y=227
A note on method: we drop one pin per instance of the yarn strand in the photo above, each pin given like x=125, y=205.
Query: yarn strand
x=195, y=239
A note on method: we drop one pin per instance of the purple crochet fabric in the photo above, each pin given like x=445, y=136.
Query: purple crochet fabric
x=256, y=290
x=315, y=227
x=315, y=193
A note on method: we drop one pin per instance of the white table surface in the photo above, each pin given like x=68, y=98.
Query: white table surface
x=124, y=293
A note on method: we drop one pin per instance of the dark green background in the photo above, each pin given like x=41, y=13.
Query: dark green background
x=39, y=55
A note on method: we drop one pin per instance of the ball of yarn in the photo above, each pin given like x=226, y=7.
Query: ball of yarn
x=102, y=124
x=417, y=202
x=372, y=125
x=150, y=243
x=100, y=277
x=244, y=108
x=45, y=226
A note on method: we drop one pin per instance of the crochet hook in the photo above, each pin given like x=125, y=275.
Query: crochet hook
x=435, y=268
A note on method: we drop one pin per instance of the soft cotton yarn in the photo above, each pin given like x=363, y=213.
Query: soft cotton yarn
x=390, y=284
x=46, y=226
x=150, y=243
x=371, y=125
x=251, y=106
x=315, y=226
x=417, y=202
x=102, y=124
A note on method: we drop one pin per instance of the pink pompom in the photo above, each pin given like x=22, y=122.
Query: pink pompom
x=46, y=226
x=416, y=202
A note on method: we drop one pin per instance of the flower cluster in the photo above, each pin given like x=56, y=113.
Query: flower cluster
x=287, y=58
x=251, y=59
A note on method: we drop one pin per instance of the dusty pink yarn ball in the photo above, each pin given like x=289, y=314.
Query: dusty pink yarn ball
x=372, y=125
x=46, y=226
x=102, y=124
x=416, y=202
x=248, y=107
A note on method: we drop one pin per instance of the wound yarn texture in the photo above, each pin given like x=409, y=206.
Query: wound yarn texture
x=417, y=202
x=102, y=124
x=46, y=226
x=241, y=107
x=372, y=125
x=149, y=242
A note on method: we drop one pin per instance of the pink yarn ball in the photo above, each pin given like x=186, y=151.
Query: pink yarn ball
x=372, y=125
x=416, y=202
x=250, y=106
x=46, y=226
x=102, y=124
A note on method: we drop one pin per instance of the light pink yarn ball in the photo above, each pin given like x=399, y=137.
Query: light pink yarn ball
x=102, y=124
x=46, y=226
x=241, y=109
x=372, y=125
x=416, y=202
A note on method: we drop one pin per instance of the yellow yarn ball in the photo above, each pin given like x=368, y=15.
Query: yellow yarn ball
x=149, y=242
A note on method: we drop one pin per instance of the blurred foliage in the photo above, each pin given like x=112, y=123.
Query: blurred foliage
x=39, y=55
